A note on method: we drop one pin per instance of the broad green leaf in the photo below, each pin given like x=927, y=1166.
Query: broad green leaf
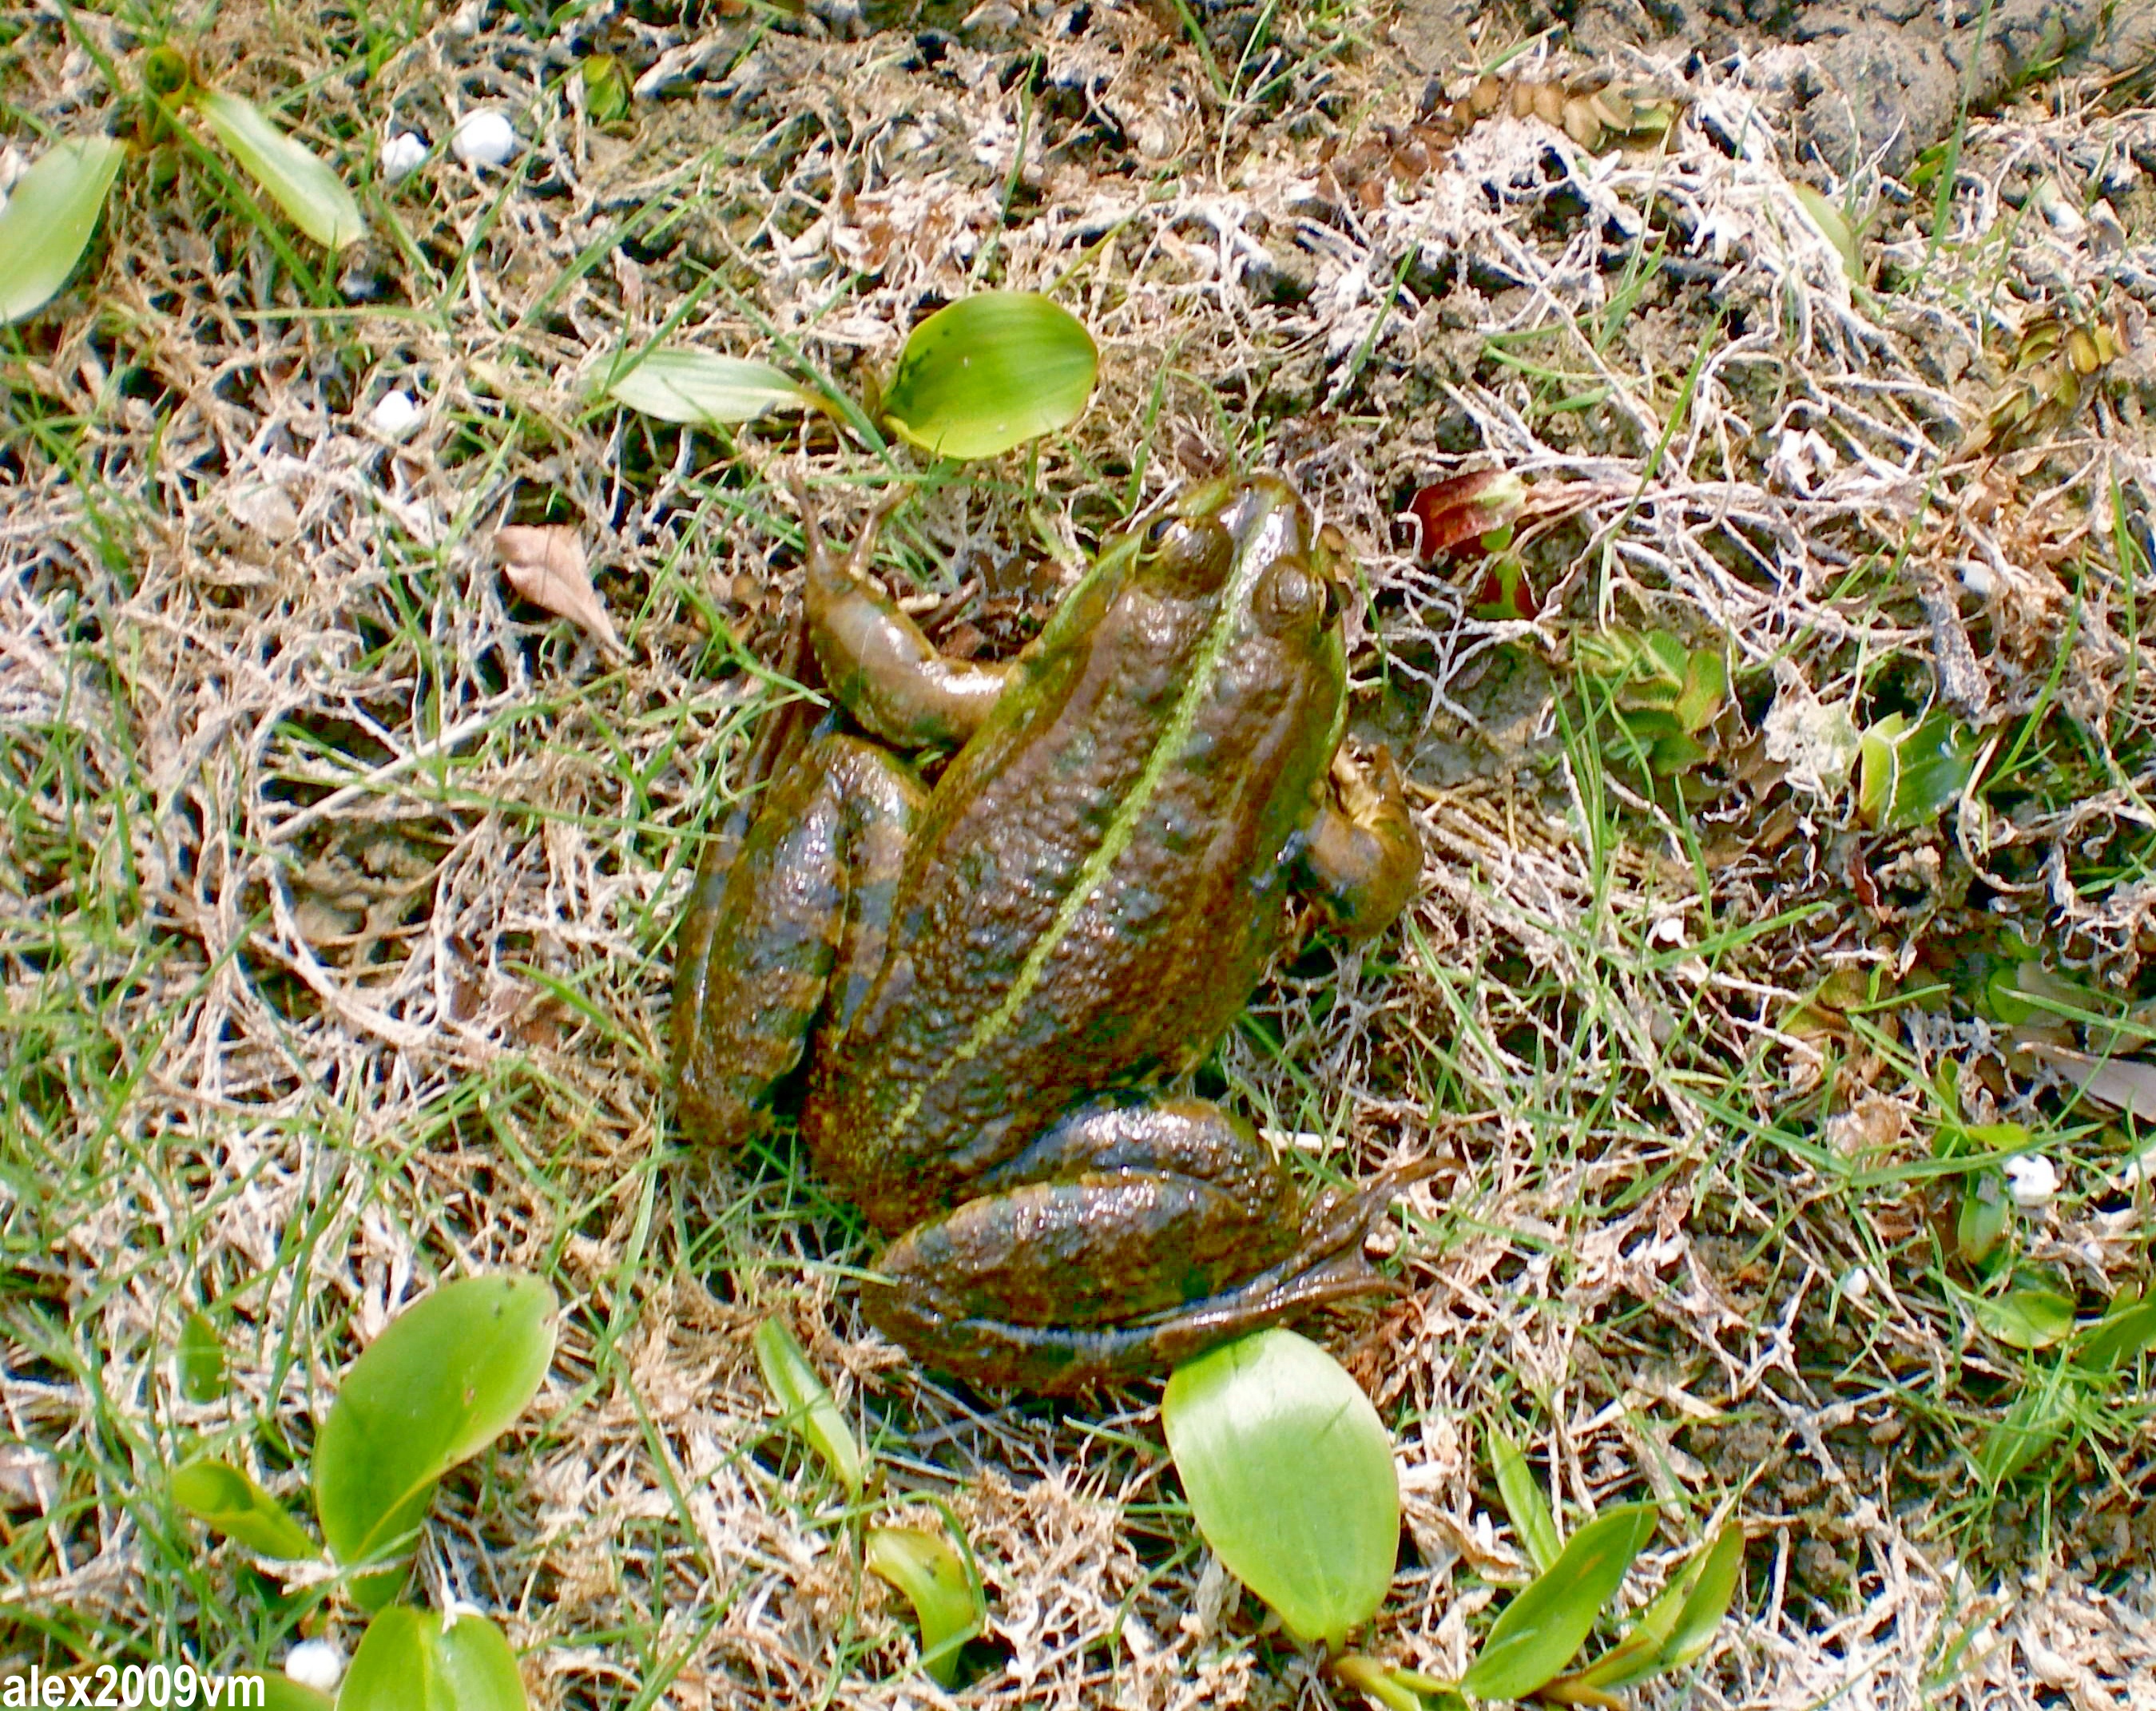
x=1909, y=774
x=697, y=387
x=49, y=219
x=445, y=1380
x=1828, y=219
x=1536, y=1635
x=1529, y=1510
x=810, y=1407
x=298, y=181
x=1290, y=1473
x=2025, y=1316
x=1680, y=1623
x=2121, y=1335
x=945, y=1593
x=409, y=1661
x=989, y=372
x=198, y=1363
x=235, y=1505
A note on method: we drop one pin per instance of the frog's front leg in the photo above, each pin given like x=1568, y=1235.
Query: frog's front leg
x=1125, y=1240
x=805, y=901
x=882, y=669
x=1363, y=859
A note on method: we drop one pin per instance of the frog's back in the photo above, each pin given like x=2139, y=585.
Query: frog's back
x=1097, y=883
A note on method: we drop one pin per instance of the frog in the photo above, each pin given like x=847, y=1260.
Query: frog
x=990, y=994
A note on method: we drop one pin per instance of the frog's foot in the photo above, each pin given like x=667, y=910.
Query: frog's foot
x=1056, y=1286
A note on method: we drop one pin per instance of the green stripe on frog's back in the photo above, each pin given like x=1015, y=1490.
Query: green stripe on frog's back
x=1175, y=733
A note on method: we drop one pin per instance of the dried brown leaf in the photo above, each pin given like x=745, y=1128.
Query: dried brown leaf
x=546, y=566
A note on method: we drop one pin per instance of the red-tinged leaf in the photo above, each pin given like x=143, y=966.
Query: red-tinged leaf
x=1458, y=511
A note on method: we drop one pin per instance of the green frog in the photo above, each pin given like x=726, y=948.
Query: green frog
x=1000, y=983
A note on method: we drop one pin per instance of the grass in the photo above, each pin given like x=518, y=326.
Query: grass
x=339, y=888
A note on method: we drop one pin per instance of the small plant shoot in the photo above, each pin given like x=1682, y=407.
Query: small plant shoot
x=940, y=1583
x=412, y=1660
x=445, y=1380
x=989, y=372
x=48, y=222
x=1290, y=1473
x=1536, y=1635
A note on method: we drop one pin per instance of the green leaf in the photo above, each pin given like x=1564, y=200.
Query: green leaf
x=1984, y=1216
x=1706, y=686
x=1532, y=1523
x=1909, y=774
x=199, y=1362
x=989, y=372
x=1680, y=1624
x=409, y=1661
x=606, y=89
x=2025, y=1316
x=299, y=181
x=1290, y=1474
x=2038, y=1419
x=1536, y=1635
x=810, y=1408
x=49, y=219
x=2127, y=1329
x=1828, y=219
x=441, y=1383
x=697, y=387
x=940, y=1585
x=225, y=1498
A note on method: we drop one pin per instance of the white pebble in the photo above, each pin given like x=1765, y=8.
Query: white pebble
x=2032, y=1180
x=401, y=156
x=1856, y=1283
x=316, y=1664
x=396, y=416
x=484, y=138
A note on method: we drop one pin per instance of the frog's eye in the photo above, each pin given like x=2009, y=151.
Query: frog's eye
x=1190, y=556
x=1291, y=594
x=1158, y=532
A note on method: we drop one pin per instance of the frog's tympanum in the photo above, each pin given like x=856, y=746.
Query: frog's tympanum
x=998, y=982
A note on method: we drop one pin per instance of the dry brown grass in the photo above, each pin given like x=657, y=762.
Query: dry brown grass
x=339, y=883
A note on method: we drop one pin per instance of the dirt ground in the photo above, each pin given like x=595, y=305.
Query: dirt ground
x=339, y=881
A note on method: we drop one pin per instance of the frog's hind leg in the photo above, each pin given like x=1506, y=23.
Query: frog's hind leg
x=1127, y=1240
x=809, y=894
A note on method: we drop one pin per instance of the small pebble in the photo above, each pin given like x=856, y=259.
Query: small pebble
x=316, y=1664
x=396, y=416
x=484, y=138
x=2032, y=1179
x=1856, y=1283
x=401, y=156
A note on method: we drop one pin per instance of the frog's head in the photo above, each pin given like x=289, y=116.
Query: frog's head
x=1251, y=545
